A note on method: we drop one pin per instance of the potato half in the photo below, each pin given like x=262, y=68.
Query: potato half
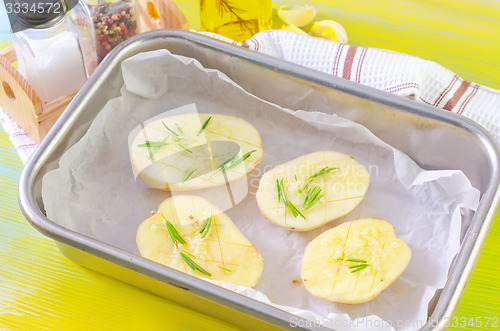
x=320, y=186
x=185, y=152
x=354, y=262
x=212, y=242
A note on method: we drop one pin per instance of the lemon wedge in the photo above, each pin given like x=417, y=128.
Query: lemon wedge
x=297, y=15
x=329, y=30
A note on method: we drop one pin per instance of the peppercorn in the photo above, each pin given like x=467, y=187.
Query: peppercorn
x=114, y=23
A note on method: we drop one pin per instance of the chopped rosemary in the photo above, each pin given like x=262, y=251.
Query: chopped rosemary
x=193, y=264
x=305, y=186
x=281, y=195
x=224, y=268
x=188, y=253
x=362, y=264
x=204, y=126
x=296, y=177
x=177, y=135
x=179, y=128
x=312, y=197
x=359, y=267
x=187, y=175
x=157, y=144
x=172, y=231
x=234, y=161
x=185, y=148
x=153, y=144
x=322, y=172
x=352, y=260
x=278, y=189
x=205, y=228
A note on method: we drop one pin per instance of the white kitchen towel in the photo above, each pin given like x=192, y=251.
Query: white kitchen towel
x=397, y=73
x=24, y=145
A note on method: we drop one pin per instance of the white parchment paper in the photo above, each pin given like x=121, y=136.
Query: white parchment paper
x=94, y=191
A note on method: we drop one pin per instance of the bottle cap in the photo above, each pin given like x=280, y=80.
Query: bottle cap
x=34, y=13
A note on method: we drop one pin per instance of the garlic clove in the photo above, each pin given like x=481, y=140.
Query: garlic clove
x=293, y=28
x=297, y=15
x=330, y=30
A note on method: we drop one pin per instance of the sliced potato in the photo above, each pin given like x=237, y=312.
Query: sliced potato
x=355, y=261
x=212, y=242
x=185, y=152
x=340, y=181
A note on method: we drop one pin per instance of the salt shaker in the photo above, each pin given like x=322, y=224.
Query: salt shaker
x=49, y=50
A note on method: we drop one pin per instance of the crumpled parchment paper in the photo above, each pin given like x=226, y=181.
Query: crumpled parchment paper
x=95, y=192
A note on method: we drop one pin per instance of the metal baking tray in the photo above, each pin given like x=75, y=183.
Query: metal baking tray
x=454, y=143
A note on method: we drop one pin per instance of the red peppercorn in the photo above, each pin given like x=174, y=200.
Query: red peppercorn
x=110, y=21
x=118, y=16
x=104, y=43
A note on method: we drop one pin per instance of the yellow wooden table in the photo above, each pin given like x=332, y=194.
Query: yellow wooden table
x=42, y=290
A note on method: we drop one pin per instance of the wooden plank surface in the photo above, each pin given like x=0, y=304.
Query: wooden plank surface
x=42, y=290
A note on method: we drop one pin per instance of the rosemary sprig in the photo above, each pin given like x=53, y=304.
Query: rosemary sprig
x=362, y=264
x=281, y=195
x=172, y=231
x=205, y=228
x=225, y=6
x=312, y=197
x=193, y=264
x=234, y=162
x=187, y=175
x=224, y=268
x=204, y=126
x=322, y=172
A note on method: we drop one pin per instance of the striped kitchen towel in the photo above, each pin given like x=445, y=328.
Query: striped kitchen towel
x=393, y=72
x=397, y=73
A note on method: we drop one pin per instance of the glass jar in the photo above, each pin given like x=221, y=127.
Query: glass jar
x=238, y=20
x=49, y=51
x=82, y=17
x=114, y=22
